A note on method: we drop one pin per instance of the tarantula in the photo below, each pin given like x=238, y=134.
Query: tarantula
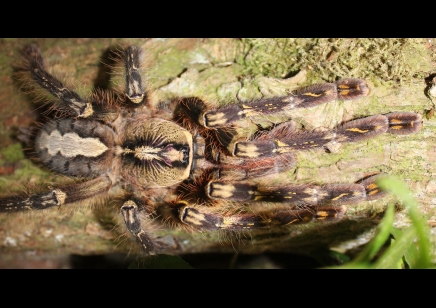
x=213, y=178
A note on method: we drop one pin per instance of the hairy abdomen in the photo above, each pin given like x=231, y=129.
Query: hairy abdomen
x=76, y=147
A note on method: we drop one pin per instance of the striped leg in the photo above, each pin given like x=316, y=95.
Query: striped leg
x=57, y=196
x=313, y=95
x=136, y=220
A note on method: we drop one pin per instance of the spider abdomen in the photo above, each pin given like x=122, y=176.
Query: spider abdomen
x=76, y=147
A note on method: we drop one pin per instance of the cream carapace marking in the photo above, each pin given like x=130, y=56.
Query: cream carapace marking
x=71, y=145
x=149, y=153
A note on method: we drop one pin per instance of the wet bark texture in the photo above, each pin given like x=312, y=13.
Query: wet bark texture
x=220, y=70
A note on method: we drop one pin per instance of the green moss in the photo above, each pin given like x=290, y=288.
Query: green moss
x=12, y=153
x=381, y=60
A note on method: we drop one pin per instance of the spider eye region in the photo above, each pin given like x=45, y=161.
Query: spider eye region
x=170, y=154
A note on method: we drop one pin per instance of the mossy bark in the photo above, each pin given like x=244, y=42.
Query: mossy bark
x=224, y=70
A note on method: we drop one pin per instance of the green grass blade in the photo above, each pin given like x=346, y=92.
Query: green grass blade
x=393, y=255
x=380, y=238
x=419, y=221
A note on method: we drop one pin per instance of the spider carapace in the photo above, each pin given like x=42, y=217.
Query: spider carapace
x=214, y=178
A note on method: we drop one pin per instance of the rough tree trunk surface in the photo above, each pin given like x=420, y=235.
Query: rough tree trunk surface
x=226, y=70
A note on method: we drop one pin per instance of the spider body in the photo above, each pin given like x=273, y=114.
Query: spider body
x=213, y=176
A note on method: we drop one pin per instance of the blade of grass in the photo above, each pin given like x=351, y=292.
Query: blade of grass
x=411, y=255
x=393, y=255
x=380, y=238
x=363, y=260
x=419, y=222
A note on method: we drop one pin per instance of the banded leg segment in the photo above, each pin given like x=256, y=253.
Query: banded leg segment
x=232, y=168
x=56, y=197
x=135, y=88
x=34, y=64
x=346, y=89
x=133, y=220
x=404, y=123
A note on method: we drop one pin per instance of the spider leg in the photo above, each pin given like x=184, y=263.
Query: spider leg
x=296, y=204
x=207, y=218
x=217, y=123
x=283, y=138
x=101, y=105
x=135, y=222
x=310, y=96
x=57, y=196
x=34, y=64
x=295, y=194
x=135, y=86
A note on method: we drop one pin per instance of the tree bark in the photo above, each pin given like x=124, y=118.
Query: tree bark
x=217, y=69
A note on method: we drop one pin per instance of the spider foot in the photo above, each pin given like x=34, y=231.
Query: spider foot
x=134, y=219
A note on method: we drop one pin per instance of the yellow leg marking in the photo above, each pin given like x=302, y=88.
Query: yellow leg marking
x=322, y=213
x=313, y=94
x=395, y=121
x=292, y=221
x=345, y=92
x=396, y=127
x=281, y=144
x=355, y=129
x=373, y=192
x=340, y=196
x=372, y=186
